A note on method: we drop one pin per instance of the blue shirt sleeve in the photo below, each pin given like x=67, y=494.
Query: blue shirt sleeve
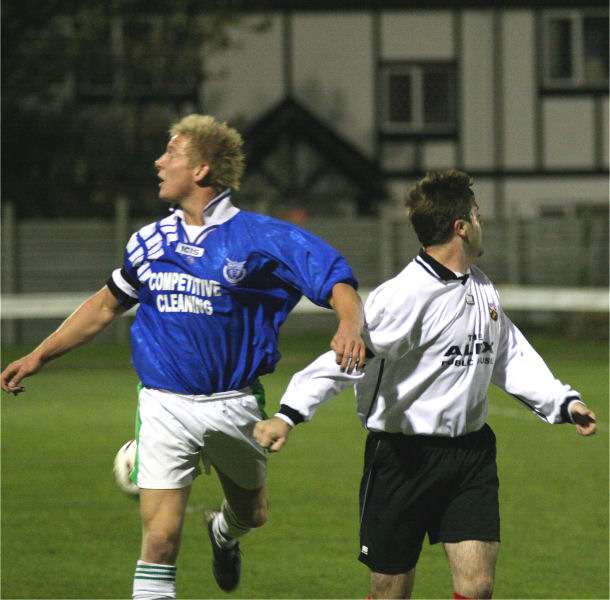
x=305, y=261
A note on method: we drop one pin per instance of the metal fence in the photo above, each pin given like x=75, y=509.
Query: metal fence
x=78, y=255
x=549, y=251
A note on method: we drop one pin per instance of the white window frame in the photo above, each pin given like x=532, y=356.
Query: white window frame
x=417, y=70
x=577, y=79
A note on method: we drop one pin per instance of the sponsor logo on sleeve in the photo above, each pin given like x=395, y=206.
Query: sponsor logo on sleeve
x=493, y=311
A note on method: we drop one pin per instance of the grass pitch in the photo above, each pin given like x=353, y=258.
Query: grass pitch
x=67, y=532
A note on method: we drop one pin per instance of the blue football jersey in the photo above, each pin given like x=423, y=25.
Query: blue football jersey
x=210, y=309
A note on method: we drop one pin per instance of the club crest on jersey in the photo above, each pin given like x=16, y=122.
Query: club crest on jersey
x=234, y=271
x=493, y=311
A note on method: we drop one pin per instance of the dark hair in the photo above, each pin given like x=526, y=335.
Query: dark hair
x=436, y=202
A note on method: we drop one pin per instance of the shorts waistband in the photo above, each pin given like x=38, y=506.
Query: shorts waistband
x=231, y=394
x=463, y=441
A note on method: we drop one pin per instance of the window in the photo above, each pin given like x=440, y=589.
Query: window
x=418, y=98
x=576, y=50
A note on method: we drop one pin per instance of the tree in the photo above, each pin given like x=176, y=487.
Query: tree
x=89, y=91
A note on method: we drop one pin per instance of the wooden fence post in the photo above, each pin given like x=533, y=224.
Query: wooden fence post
x=10, y=276
x=121, y=234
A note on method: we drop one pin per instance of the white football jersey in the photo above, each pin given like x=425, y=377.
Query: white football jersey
x=437, y=340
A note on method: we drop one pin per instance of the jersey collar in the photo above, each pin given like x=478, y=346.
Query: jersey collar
x=440, y=270
x=219, y=210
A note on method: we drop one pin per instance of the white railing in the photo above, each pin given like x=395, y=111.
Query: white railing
x=514, y=297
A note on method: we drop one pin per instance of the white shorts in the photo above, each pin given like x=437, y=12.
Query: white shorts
x=178, y=432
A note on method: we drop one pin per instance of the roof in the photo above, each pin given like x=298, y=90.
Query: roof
x=326, y=5
x=289, y=118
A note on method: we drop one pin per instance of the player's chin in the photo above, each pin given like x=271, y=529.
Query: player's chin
x=165, y=198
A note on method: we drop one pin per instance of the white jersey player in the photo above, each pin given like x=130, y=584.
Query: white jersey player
x=437, y=337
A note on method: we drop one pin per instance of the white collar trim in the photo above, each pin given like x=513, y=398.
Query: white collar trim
x=219, y=210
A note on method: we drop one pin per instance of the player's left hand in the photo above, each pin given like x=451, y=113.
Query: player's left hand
x=349, y=348
x=584, y=419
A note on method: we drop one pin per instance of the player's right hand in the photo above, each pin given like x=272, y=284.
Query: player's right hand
x=272, y=433
x=16, y=371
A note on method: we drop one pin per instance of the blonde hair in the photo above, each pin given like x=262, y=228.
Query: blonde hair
x=216, y=144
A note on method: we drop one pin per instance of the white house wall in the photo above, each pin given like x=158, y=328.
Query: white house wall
x=246, y=79
x=526, y=195
x=568, y=132
x=507, y=127
x=417, y=35
x=485, y=193
x=477, y=92
x=333, y=72
x=604, y=133
x=439, y=155
x=519, y=90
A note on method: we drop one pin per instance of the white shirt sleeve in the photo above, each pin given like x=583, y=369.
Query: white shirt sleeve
x=318, y=383
x=390, y=317
x=388, y=334
x=521, y=372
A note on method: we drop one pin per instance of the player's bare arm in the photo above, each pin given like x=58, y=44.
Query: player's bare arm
x=89, y=319
x=272, y=433
x=584, y=419
x=347, y=342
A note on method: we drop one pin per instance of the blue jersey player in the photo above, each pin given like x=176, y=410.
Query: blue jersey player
x=213, y=284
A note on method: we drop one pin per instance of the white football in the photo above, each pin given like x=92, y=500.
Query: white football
x=124, y=462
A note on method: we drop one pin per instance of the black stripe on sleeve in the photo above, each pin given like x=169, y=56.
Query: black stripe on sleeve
x=565, y=416
x=294, y=415
x=132, y=281
x=528, y=405
x=125, y=299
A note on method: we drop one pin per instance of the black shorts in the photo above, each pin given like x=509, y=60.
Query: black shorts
x=447, y=487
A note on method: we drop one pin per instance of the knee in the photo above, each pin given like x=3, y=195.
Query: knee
x=392, y=586
x=160, y=547
x=246, y=517
x=258, y=517
x=485, y=588
x=479, y=586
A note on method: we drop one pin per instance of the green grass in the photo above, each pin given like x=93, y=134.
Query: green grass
x=67, y=532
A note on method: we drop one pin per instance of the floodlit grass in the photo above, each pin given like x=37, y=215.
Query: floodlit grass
x=67, y=532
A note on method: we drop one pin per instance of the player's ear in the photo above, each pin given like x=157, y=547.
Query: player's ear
x=459, y=227
x=200, y=172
